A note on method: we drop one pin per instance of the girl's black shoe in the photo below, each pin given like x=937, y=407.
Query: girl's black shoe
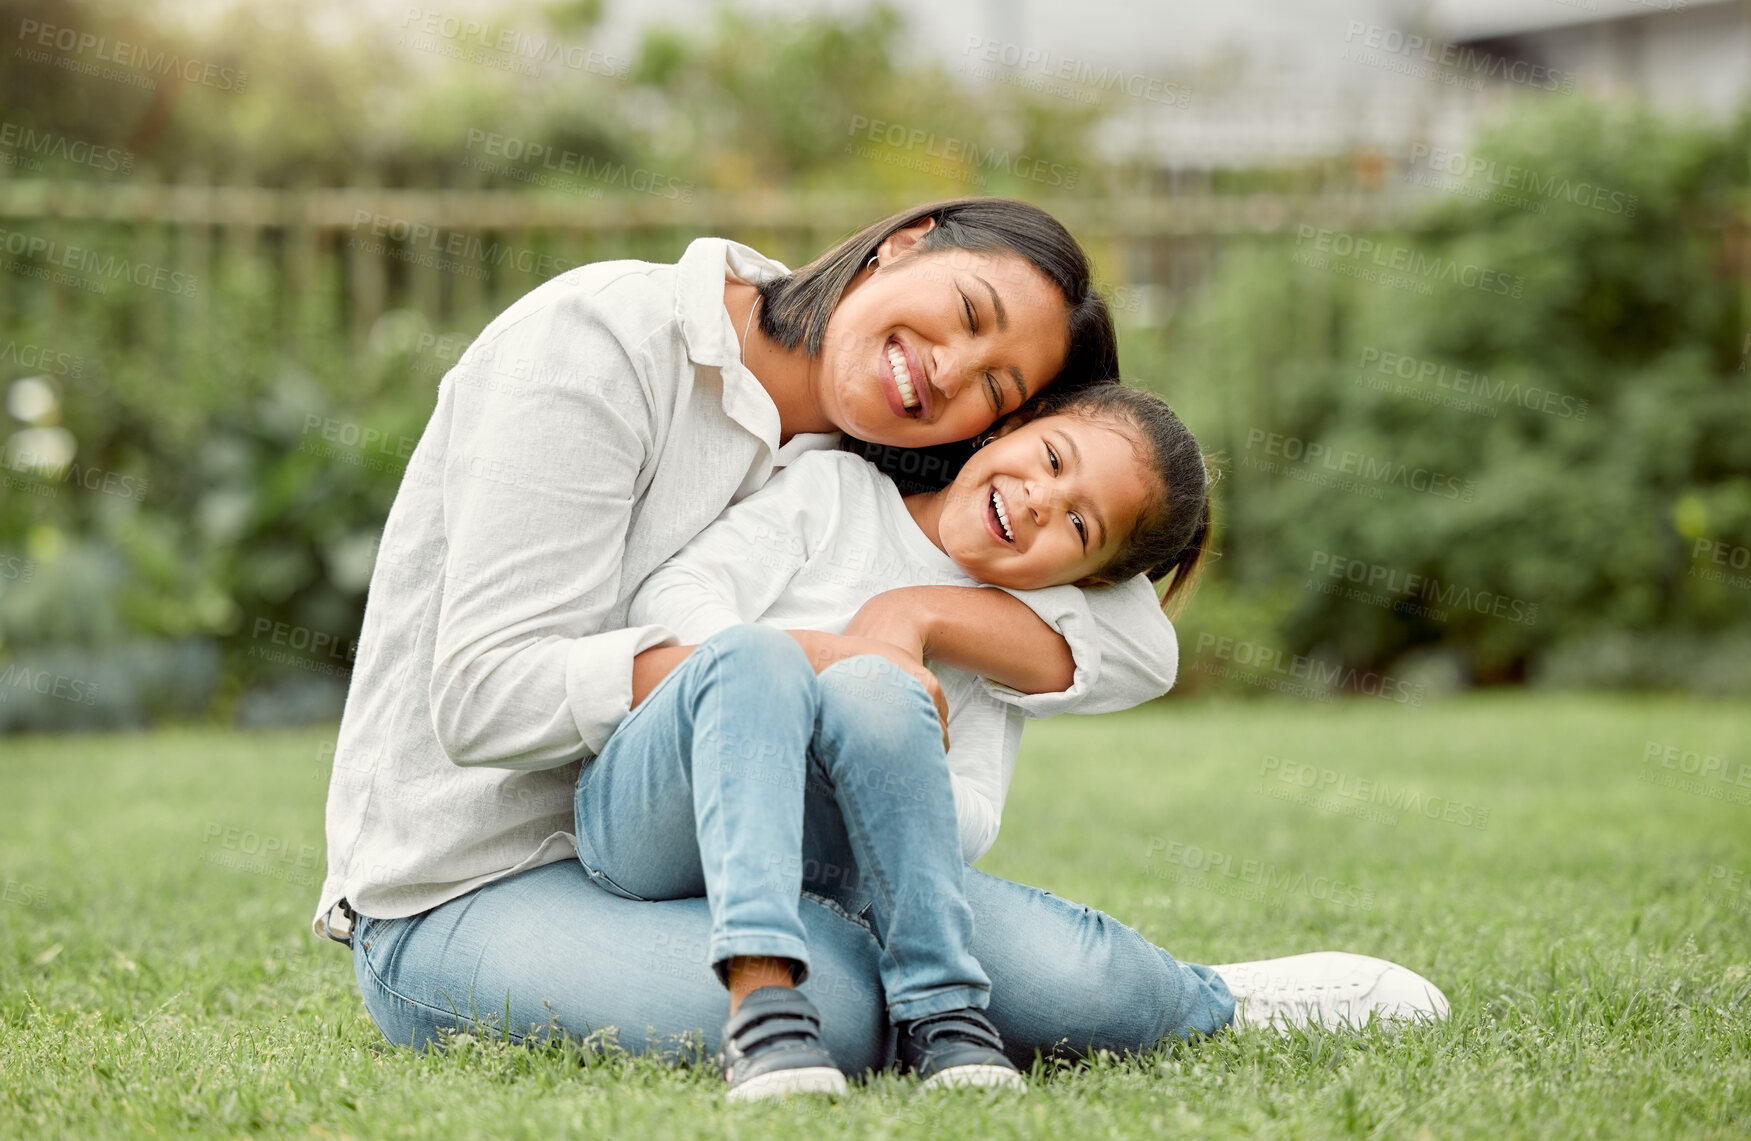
x=772, y=1047
x=957, y=1048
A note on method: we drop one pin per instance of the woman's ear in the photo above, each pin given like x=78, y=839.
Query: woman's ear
x=902, y=240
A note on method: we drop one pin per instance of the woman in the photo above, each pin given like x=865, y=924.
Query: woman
x=590, y=431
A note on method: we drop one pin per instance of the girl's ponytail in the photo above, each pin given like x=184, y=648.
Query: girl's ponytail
x=1187, y=566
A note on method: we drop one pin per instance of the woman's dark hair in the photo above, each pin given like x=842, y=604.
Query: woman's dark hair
x=1172, y=536
x=794, y=309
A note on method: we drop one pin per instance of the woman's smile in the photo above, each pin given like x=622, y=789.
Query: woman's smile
x=954, y=342
x=907, y=387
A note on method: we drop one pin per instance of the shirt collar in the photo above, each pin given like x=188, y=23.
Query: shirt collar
x=710, y=334
x=802, y=443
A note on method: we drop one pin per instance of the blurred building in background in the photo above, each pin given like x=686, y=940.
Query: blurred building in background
x=1385, y=93
x=1365, y=98
x=1683, y=56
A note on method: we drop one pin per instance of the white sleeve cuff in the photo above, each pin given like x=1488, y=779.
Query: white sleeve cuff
x=1065, y=610
x=598, y=679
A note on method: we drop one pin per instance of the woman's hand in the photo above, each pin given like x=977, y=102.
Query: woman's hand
x=651, y=666
x=975, y=628
x=825, y=649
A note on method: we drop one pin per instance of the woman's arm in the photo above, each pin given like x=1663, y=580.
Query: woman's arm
x=537, y=470
x=651, y=666
x=706, y=587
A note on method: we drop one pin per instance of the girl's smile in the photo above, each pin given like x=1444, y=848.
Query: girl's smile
x=999, y=518
x=1046, y=503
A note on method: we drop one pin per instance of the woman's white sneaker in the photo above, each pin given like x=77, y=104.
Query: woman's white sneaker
x=1330, y=989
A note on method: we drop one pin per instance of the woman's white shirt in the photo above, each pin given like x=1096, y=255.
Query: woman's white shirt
x=592, y=429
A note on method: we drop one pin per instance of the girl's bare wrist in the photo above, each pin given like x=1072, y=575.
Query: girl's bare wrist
x=902, y=617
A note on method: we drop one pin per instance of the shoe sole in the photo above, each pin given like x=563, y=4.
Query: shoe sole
x=975, y=1077
x=784, y=1083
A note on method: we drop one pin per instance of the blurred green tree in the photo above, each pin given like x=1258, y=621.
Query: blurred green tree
x=1593, y=415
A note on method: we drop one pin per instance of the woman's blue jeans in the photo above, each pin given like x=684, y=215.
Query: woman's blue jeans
x=559, y=949
x=746, y=777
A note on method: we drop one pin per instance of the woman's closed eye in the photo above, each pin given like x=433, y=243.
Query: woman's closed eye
x=992, y=388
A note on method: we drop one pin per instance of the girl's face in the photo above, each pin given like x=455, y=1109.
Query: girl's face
x=1046, y=503
x=934, y=347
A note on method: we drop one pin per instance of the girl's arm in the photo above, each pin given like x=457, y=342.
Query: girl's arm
x=734, y=570
x=1059, y=650
x=983, y=631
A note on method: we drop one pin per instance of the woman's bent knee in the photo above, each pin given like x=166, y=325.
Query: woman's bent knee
x=1072, y=979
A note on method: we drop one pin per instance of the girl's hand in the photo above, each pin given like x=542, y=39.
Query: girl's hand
x=893, y=617
x=825, y=649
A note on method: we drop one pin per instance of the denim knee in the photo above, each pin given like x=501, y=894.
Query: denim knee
x=762, y=665
x=1071, y=979
x=753, y=652
x=878, y=685
x=874, y=709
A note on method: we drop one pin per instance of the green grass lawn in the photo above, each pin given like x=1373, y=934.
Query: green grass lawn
x=1593, y=934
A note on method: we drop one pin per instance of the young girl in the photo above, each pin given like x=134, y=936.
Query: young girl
x=833, y=776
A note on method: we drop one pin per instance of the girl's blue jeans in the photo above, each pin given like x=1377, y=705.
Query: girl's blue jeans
x=745, y=777
x=749, y=807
